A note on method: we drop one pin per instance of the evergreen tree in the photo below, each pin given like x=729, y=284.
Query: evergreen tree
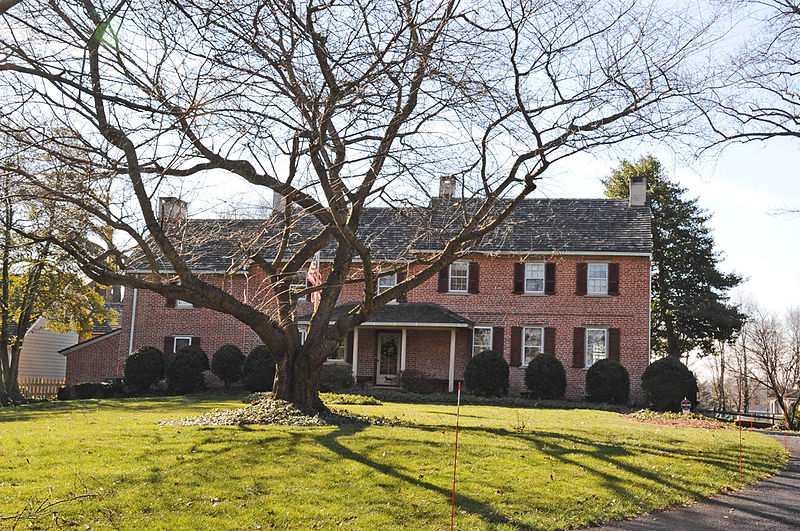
x=690, y=307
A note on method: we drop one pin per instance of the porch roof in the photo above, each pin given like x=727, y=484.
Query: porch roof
x=406, y=314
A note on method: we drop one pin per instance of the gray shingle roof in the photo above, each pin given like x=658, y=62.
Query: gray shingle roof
x=536, y=226
x=106, y=327
x=420, y=313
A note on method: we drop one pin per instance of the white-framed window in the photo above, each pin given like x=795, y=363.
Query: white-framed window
x=299, y=282
x=339, y=355
x=459, y=277
x=596, y=345
x=482, y=337
x=183, y=304
x=597, y=279
x=180, y=342
x=386, y=282
x=532, y=343
x=534, y=277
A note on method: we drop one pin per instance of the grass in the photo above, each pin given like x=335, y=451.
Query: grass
x=517, y=468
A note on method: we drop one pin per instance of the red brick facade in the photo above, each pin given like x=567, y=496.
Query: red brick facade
x=94, y=360
x=427, y=350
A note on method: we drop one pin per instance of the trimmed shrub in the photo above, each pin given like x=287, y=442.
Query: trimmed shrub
x=86, y=390
x=183, y=373
x=198, y=356
x=143, y=368
x=545, y=377
x=418, y=382
x=336, y=377
x=226, y=364
x=258, y=370
x=665, y=384
x=607, y=381
x=487, y=374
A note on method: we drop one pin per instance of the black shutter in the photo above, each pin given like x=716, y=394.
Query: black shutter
x=613, y=344
x=170, y=303
x=401, y=276
x=195, y=341
x=579, y=347
x=550, y=340
x=550, y=278
x=349, y=347
x=497, y=339
x=613, y=279
x=581, y=274
x=474, y=277
x=444, y=280
x=169, y=346
x=519, y=277
x=516, y=346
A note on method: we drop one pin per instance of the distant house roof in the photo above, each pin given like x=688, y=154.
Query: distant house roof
x=537, y=226
x=105, y=326
x=408, y=314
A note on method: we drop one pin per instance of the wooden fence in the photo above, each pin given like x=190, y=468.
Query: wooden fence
x=40, y=387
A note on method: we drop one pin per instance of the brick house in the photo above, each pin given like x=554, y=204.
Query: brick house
x=564, y=276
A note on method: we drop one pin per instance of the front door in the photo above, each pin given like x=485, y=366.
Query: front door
x=388, y=359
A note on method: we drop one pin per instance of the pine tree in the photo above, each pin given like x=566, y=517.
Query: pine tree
x=690, y=306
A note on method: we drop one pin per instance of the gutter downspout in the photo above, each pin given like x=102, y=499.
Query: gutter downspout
x=133, y=320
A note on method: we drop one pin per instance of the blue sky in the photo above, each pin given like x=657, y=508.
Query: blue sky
x=743, y=188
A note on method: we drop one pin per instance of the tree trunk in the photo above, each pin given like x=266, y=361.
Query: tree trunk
x=297, y=381
x=672, y=341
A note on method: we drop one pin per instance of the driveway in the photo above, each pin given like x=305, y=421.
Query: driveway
x=771, y=504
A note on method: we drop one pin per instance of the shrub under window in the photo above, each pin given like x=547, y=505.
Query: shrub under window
x=666, y=382
x=545, y=377
x=198, y=356
x=226, y=364
x=487, y=374
x=607, y=381
x=143, y=368
x=184, y=374
x=258, y=370
x=336, y=378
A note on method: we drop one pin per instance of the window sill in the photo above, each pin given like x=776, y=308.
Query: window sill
x=598, y=295
x=458, y=293
x=534, y=294
x=335, y=362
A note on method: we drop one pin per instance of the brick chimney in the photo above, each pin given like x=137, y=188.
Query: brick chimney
x=638, y=191
x=278, y=202
x=447, y=187
x=172, y=210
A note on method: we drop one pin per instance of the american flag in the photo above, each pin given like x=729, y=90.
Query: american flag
x=314, y=279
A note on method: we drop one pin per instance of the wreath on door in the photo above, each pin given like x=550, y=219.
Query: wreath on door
x=389, y=349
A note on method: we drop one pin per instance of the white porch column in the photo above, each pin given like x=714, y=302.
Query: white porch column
x=403, y=350
x=355, y=354
x=452, y=374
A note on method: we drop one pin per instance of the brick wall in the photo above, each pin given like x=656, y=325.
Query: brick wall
x=494, y=305
x=95, y=362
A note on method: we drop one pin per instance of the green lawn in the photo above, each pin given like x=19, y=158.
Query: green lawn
x=517, y=468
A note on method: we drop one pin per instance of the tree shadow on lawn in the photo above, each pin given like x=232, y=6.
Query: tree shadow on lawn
x=39, y=410
x=472, y=505
x=559, y=446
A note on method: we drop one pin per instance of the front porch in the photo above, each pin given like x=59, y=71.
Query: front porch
x=423, y=340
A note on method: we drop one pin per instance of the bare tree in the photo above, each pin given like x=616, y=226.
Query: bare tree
x=756, y=96
x=773, y=366
x=336, y=107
